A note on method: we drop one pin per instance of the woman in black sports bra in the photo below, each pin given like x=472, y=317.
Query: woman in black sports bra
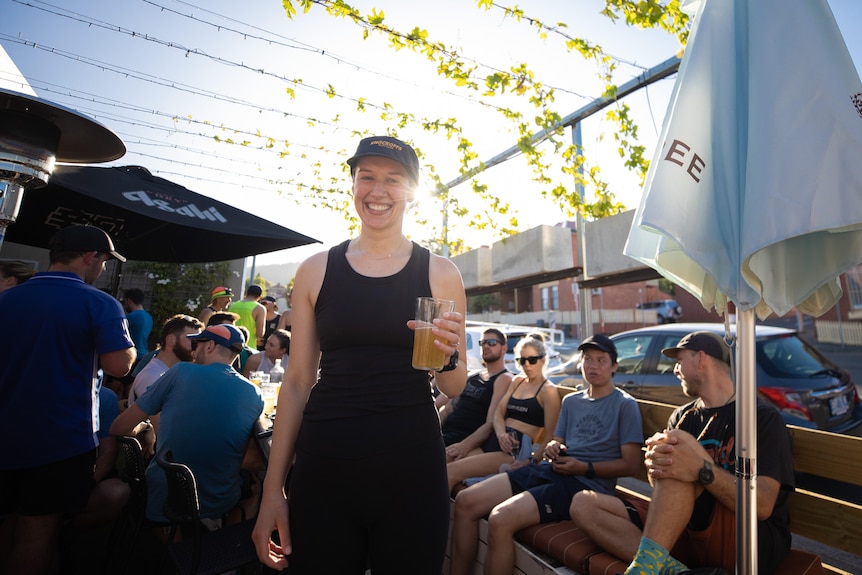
x=531, y=405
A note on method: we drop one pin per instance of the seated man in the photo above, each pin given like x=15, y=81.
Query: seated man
x=470, y=423
x=691, y=519
x=174, y=347
x=207, y=411
x=597, y=439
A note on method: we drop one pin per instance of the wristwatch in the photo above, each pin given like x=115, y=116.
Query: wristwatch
x=705, y=476
x=453, y=363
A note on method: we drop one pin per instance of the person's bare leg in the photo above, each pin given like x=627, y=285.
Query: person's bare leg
x=105, y=504
x=669, y=511
x=606, y=521
x=34, y=550
x=475, y=466
x=505, y=520
x=471, y=505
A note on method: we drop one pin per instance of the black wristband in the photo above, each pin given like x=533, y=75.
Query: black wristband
x=590, y=471
x=453, y=362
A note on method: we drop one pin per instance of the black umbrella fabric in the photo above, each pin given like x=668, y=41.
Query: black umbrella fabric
x=149, y=218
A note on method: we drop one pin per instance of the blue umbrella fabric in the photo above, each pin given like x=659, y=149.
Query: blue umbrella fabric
x=149, y=218
x=755, y=195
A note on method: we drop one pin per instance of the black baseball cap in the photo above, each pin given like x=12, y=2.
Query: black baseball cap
x=387, y=147
x=709, y=343
x=81, y=238
x=602, y=342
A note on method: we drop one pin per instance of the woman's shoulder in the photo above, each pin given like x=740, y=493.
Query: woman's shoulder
x=253, y=362
x=312, y=267
x=549, y=392
x=439, y=264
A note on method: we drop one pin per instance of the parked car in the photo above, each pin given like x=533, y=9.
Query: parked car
x=667, y=310
x=474, y=352
x=806, y=387
x=513, y=336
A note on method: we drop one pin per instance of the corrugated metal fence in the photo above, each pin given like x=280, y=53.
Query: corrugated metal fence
x=840, y=332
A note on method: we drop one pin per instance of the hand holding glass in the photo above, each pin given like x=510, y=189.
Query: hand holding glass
x=425, y=354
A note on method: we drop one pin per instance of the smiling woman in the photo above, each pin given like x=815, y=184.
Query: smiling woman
x=350, y=382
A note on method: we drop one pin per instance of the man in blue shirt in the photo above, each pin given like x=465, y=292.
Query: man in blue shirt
x=207, y=412
x=47, y=394
x=140, y=321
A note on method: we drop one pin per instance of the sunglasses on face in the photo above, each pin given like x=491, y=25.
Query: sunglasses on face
x=489, y=342
x=195, y=343
x=531, y=360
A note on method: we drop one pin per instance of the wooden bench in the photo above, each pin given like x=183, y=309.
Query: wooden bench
x=562, y=548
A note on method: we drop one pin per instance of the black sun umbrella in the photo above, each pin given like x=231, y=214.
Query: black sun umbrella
x=149, y=218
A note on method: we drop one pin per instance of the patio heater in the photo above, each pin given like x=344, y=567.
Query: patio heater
x=34, y=134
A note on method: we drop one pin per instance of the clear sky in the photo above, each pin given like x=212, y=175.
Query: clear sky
x=169, y=77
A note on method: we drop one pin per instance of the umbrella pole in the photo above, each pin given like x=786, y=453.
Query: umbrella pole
x=746, y=445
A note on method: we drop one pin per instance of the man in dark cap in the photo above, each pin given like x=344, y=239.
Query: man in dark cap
x=207, y=411
x=691, y=520
x=48, y=416
x=598, y=438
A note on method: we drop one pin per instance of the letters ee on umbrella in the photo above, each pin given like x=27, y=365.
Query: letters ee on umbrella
x=149, y=218
x=755, y=193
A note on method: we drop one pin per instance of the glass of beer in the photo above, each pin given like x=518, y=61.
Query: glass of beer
x=425, y=355
x=268, y=392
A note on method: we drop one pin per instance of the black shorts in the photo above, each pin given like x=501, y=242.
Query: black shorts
x=552, y=492
x=54, y=488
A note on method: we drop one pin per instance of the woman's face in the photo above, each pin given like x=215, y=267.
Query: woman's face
x=272, y=348
x=532, y=362
x=381, y=191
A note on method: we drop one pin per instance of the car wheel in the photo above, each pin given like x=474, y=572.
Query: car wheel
x=661, y=319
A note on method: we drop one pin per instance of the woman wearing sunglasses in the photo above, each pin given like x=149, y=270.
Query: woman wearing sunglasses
x=531, y=405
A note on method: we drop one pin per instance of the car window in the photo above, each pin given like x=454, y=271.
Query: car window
x=666, y=364
x=789, y=356
x=631, y=351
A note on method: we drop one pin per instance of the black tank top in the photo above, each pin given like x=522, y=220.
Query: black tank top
x=471, y=411
x=527, y=410
x=368, y=396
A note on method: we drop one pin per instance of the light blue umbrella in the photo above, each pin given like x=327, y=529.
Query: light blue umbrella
x=755, y=194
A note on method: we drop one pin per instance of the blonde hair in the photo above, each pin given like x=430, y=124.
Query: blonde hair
x=535, y=340
x=21, y=271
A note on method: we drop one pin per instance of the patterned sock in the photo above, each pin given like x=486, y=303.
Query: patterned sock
x=653, y=559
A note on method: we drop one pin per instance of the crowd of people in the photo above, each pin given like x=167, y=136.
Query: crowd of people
x=103, y=379
x=362, y=453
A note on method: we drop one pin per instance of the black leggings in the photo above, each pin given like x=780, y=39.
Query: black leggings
x=389, y=512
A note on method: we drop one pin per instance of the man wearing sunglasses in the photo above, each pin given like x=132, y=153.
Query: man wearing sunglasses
x=207, y=411
x=597, y=439
x=468, y=425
